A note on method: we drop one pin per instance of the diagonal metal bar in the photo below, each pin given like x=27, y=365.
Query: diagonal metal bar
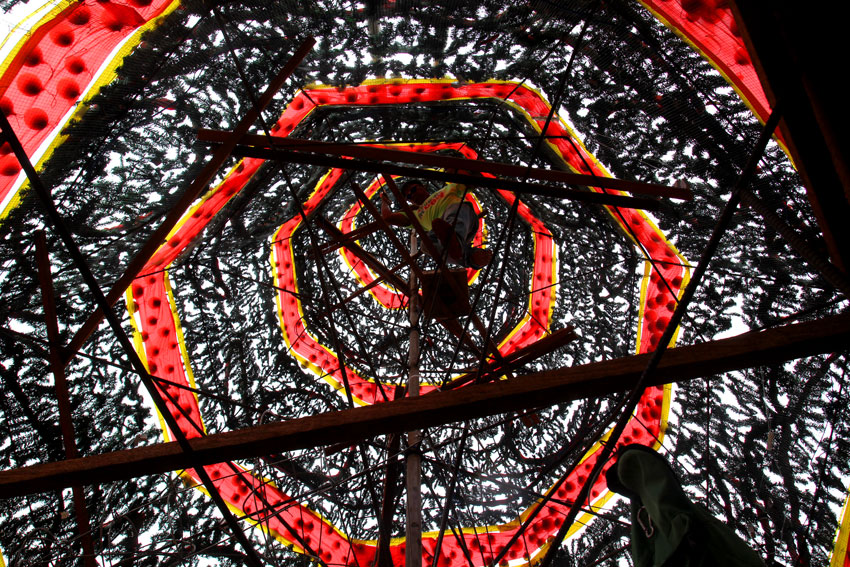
x=352, y=236
x=458, y=533
x=365, y=257
x=156, y=239
x=444, y=515
x=399, y=246
x=360, y=291
x=392, y=475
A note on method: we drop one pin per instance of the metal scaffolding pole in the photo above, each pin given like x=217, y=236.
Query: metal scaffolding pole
x=413, y=550
x=63, y=396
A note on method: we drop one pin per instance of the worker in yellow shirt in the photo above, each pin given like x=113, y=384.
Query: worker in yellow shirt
x=450, y=221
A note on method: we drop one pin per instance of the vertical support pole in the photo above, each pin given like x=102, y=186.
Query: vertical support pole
x=391, y=490
x=64, y=399
x=413, y=532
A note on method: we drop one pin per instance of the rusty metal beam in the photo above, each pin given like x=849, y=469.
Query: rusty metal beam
x=364, y=256
x=757, y=348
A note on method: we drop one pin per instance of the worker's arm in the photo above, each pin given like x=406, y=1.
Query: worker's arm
x=398, y=219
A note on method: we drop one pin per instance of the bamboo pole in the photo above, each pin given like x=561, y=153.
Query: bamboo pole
x=413, y=532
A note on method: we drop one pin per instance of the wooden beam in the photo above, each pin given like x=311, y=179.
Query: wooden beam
x=830, y=334
x=557, y=192
x=413, y=454
x=372, y=153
